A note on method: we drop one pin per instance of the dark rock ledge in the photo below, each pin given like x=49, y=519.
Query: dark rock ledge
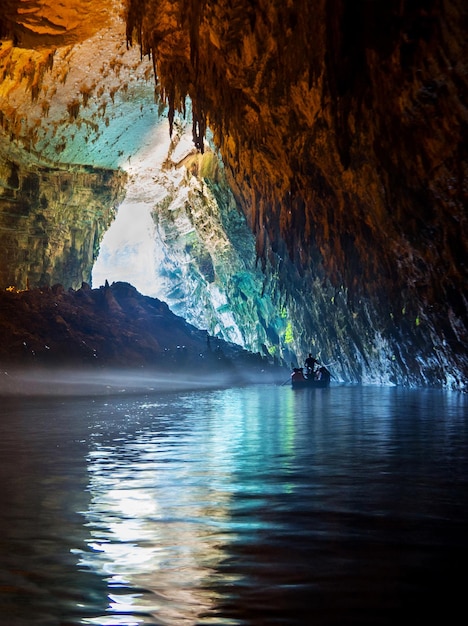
x=114, y=328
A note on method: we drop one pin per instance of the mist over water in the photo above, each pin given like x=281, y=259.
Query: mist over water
x=66, y=381
x=249, y=505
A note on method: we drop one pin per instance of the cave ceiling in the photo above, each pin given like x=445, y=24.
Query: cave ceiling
x=342, y=127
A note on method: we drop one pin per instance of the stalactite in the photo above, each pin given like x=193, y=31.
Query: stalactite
x=73, y=109
x=199, y=129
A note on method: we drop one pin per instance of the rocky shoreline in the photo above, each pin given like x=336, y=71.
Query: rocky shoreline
x=114, y=328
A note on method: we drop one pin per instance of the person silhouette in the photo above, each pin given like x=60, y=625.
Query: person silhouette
x=297, y=374
x=310, y=364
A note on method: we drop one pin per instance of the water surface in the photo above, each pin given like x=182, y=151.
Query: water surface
x=246, y=506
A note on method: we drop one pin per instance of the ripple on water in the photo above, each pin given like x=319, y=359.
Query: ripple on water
x=237, y=507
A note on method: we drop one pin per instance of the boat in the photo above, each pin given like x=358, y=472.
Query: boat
x=310, y=383
x=318, y=380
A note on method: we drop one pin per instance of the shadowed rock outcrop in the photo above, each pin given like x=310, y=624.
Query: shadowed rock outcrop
x=115, y=326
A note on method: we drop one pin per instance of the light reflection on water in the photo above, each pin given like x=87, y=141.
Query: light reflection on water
x=245, y=506
x=159, y=515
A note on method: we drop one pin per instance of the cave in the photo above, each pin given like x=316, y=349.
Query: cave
x=295, y=173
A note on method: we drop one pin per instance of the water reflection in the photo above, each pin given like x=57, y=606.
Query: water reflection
x=235, y=507
x=159, y=516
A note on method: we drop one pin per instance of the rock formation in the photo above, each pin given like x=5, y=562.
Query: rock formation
x=342, y=127
x=110, y=329
x=179, y=236
x=52, y=220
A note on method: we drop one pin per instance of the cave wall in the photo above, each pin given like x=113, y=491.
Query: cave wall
x=77, y=105
x=69, y=93
x=52, y=221
x=206, y=260
x=343, y=127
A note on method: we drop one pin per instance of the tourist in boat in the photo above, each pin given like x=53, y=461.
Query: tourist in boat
x=323, y=374
x=310, y=364
x=297, y=374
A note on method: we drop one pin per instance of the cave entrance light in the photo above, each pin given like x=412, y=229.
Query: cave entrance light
x=128, y=251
